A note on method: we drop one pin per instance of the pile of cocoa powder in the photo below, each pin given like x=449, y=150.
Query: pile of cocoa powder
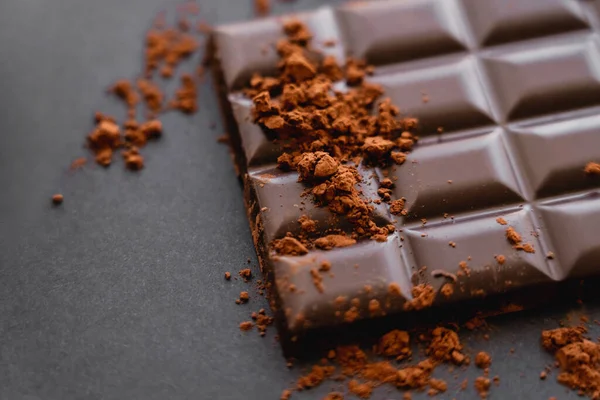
x=363, y=371
x=326, y=133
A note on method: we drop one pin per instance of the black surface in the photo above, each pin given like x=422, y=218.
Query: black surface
x=118, y=294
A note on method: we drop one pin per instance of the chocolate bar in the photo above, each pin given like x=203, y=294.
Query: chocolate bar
x=496, y=193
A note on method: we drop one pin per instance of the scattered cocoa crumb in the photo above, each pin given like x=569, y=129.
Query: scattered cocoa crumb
x=464, y=268
x=153, y=96
x=185, y=96
x=445, y=346
x=262, y=7
x=227, y=275
x=246, y=325
x=362, y=390
x=325, y=266
x=474, y=323
x=57, y=199
x=246, y=274
x=526, y=247
x=262, y=321
x=334, y=396
x=244, y=297
x=394, y=289
x=501, y=221
x=554, y=339
x=105, y=138
x=578, y=359
x=543, y=375
x=289, y=246
x=437, y=386
x=423, y=297
x=78, y=163
x=483, y=360
x=395, y=344
x=397, y=206
x=317, y=280
x=550, y=255
x=286, y=395
x=315, y=377
x=512, y=236
x=500, y=259
x=126, y=92
x=482, y=385
x=452, y=244
x=133, y=159
x=592, y=168
x=447, y=289
x=330, y=241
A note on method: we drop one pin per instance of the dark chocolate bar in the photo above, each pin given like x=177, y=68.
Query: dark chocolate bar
x=507, y=94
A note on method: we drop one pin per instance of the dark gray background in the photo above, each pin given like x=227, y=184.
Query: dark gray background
x=118, y=294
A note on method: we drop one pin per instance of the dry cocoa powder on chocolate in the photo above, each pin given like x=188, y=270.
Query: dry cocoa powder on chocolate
x=325, y=133
x=592, y=168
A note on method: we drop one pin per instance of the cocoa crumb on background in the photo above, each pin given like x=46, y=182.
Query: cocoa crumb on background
x=78, y=163
x=246, y=274
x=483, y=360
x=227, y=275
x=482, y=385
x=246, y=325
x=244, y=297
x=577, y=358
x=262, y=7
x=185, y=96
x=57, y=199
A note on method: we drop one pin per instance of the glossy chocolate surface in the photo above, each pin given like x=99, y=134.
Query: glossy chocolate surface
x=508, y=101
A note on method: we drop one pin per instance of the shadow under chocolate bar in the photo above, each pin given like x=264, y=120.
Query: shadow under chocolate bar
x=508, y=99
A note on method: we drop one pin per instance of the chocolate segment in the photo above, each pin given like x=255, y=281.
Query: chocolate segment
x=496, y=195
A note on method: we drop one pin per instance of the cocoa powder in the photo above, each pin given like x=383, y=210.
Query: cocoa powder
x=592, y=168
x=325, y=132
x=577, y=358
x=165, y=48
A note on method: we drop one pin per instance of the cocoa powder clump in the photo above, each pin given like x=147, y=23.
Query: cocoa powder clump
x=289, y=246
x=577, y=357
x=482, y=385
x=57, y=199
x=185, y=96
x=315, y=377
x=395, y=344
x=330, y=241
x=423, y=297
x=483, y=360
x=362, y=390
x=445, y=346
x=513, y=236
x=592, y=168
x=554, y=339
